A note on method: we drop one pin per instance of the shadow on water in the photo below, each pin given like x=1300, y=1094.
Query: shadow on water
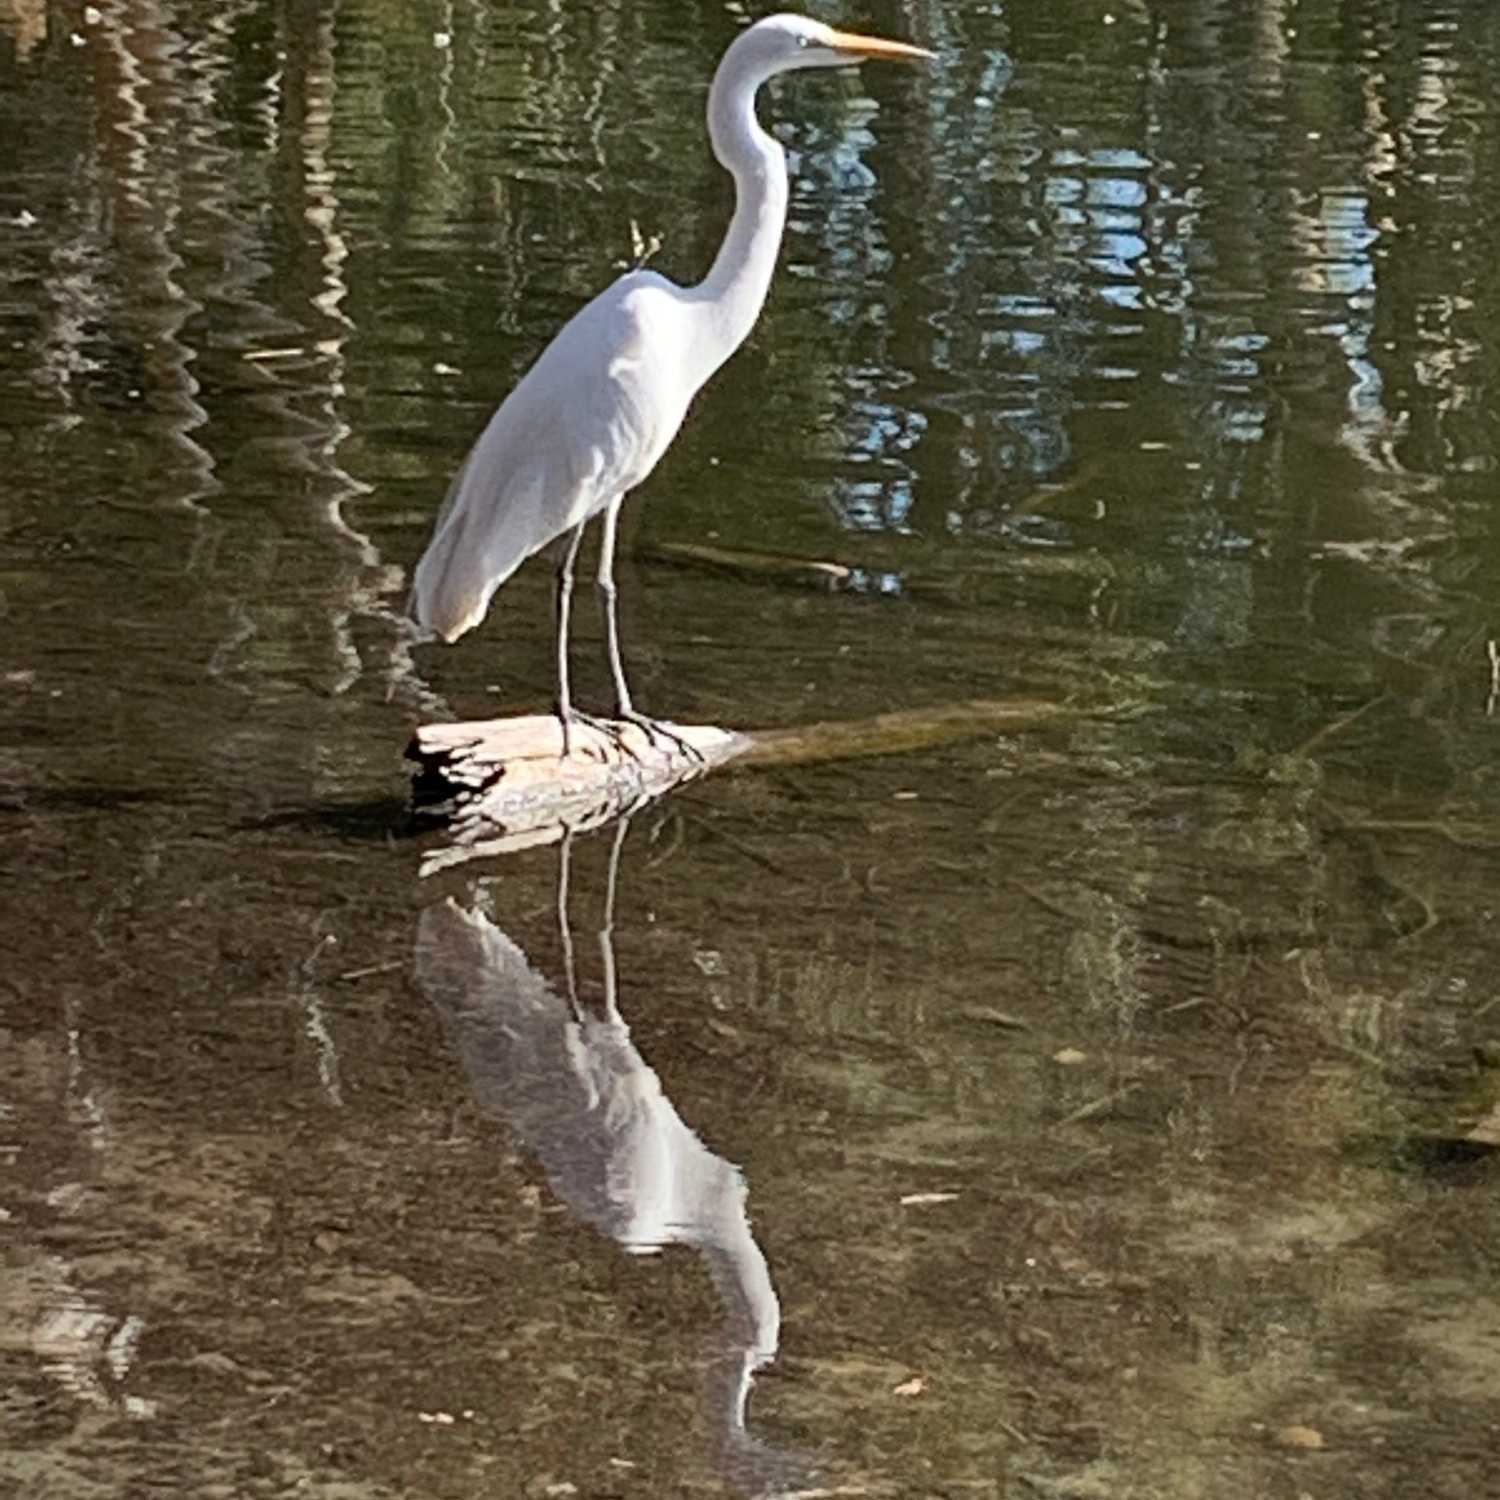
x=17, y=796
x=566, y=1076
x=376, y=820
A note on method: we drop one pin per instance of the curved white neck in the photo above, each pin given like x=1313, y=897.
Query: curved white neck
x=734, y=291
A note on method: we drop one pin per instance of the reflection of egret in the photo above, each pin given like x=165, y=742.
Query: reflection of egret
x=592, y=416
x=572, y=1085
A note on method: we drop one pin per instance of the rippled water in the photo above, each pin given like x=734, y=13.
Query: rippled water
x=1107, y=1108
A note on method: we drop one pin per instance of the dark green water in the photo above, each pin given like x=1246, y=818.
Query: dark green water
x=1116, y=1104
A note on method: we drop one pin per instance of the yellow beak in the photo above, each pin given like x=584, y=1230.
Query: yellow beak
x=858, y=46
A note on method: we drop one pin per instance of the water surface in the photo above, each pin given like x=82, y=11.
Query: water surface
x=1103, y=1110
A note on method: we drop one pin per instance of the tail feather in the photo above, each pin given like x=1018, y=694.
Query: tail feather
x=461, y=568
x=450, y=592
x=496, y=514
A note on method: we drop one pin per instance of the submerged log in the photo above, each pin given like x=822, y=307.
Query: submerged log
x=505, y=785
x=901, y=732
x=743, y=562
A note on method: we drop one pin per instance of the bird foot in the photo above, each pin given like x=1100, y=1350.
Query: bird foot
x=571, y=718
x=657, y=730
x=658, y=733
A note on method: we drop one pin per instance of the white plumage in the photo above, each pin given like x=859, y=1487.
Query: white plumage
x=591, y=418
x=586, y=425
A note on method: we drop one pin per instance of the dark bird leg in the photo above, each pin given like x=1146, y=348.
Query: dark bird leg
x=605, y=583
x=608, y=607
x=564, y=601
x=567, y=715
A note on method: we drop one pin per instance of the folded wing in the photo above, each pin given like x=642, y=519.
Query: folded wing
x=587, y=422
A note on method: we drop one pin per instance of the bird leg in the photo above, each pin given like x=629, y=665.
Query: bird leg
x=604, y=580
x=564, y=597
x=567, y=715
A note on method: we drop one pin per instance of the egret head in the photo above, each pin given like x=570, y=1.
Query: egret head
x=780, y=43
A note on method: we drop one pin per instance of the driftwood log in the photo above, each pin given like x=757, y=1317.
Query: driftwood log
x=504, y=784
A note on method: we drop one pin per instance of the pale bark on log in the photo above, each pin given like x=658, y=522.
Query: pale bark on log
x=506, y=786
x=509, y=786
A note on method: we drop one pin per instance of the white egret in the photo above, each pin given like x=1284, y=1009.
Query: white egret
x=591, y=418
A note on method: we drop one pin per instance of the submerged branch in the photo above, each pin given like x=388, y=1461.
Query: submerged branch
x=505, y=785
x=898, y=733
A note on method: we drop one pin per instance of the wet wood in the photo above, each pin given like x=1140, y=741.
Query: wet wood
x=506, y=784
x=503, y=784
x=899, y=733
x=742, y=562
x=1487, y=1131
x=933, y=578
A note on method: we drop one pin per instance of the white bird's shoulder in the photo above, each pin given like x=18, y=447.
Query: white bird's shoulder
x=585, y=424
x=619, y=365
x=640, y=316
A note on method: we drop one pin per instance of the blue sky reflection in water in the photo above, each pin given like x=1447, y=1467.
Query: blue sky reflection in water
x=1115, y=1102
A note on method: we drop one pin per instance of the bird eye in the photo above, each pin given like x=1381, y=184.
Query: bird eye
x=803, y=41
